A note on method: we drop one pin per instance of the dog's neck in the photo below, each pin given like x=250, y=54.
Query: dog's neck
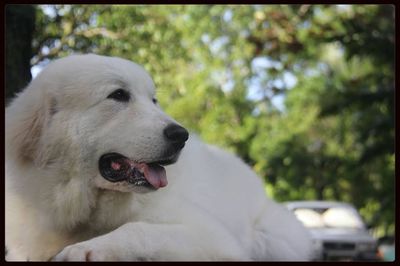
x=74, y=202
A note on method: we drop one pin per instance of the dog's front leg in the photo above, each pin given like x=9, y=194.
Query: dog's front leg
x=143, y=241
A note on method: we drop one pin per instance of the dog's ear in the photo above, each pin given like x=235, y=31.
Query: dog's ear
x=25, y=119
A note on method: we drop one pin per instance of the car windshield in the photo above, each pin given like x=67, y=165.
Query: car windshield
x=334, y=217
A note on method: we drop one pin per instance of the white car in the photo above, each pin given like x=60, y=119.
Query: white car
x=337, y=229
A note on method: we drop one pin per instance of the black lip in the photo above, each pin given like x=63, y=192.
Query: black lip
x=109, y=174
x=165, y=162
x=127, y=173
x=171, y=155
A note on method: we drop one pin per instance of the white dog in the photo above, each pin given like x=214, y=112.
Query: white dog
x=85, y=148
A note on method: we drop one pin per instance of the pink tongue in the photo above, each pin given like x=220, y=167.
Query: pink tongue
x=154, y=174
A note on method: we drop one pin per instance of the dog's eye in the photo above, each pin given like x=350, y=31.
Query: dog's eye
x=155, y=101
x=120, y=95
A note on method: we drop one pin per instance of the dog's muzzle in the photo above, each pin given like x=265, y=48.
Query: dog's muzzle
x=115, y=167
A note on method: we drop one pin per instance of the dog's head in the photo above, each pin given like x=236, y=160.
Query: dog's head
x=97, y=118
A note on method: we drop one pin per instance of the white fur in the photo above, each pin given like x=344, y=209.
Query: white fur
x=58, y=205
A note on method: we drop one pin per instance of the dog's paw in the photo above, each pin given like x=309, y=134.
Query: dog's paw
x=84, y=251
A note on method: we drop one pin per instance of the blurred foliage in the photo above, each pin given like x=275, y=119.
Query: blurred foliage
x=219, y=68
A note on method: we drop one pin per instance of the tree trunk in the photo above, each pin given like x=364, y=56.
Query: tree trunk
x=20, y=24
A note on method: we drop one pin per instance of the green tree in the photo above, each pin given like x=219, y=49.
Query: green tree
x=345, y=74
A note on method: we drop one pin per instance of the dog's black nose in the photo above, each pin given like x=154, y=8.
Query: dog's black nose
x=176, y=133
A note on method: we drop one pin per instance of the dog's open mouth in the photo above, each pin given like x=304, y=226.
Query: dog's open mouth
x=117, y=168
